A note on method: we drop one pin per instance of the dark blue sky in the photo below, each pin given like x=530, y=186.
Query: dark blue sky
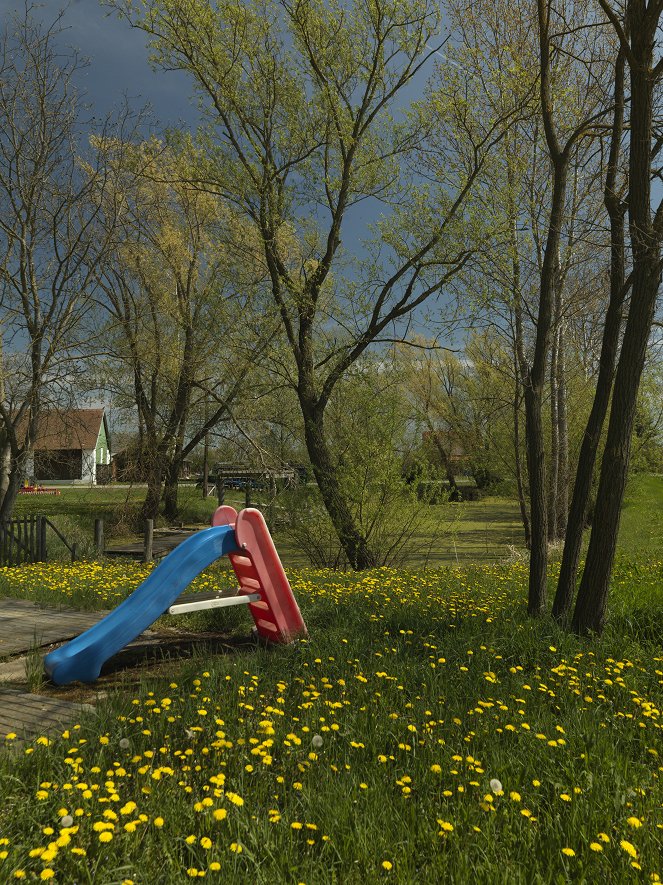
x=118, y=62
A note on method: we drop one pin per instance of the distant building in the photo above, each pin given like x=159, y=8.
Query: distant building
x=72, y=445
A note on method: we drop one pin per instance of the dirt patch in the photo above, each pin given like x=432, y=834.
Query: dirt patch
x=155, y=655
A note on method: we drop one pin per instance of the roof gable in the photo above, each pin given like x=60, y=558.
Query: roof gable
x=68, y=429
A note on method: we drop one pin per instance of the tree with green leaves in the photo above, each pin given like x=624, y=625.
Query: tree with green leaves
x=635, y=27
x=306, y=121
x=47, y=248
x=172, y=296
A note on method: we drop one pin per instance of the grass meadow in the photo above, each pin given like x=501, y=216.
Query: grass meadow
x=427, y=731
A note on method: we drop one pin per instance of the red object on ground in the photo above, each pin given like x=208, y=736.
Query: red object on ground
x=37, y=490
x=259, y=570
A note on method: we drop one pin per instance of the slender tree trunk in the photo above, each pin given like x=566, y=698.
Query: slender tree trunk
x=520, y=363
x=522, y=500
x=562, y=439
x=538, y=573
x=590, y=611
x=537, y=590
x=534, y=383
x=553, y=481
x=5, y=469
x=577, y=517
x=19, y=453
x=206, y=465
x=14, y=481
x=354, y=544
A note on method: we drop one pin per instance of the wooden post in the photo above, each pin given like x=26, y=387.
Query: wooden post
x=99, y=536
x=19, y=540
x=247, y=493
x=43, y=553
x=148, y=540
x=220, y=489
x=33, y=546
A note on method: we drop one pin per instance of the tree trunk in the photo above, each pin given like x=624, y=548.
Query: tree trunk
x=537, y=590
x=150, y=506
x=538, y=570
x=354, y=544
x=522, y=500
x=520, y=362
x=14, y=481
x=590, y=611
x=562, y=441
x=577, y=517
x=206, y=464
x=170, y=490
x=454, y=493
x=553, y=482
x=5, y=470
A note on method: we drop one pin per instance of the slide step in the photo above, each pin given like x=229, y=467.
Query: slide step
x=213, y=601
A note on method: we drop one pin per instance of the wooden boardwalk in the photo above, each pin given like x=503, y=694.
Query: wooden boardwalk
x=24, y=625
x=162, y=544
x=30, y=715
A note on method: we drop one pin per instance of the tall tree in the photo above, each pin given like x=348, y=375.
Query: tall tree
x=171, y=297
x=299, y=96
x=561, y=140
x=47, y=251
x=616, y=209
x=636, y=26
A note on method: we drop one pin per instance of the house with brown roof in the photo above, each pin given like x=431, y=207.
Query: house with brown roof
x=72, y=445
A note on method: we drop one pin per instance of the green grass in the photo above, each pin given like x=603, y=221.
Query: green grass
x=641, y=525
x=466, y=533
x=365, y=753
x=372, y=743
x=449, y=533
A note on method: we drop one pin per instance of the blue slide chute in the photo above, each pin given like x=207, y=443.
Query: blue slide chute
x=83, y=657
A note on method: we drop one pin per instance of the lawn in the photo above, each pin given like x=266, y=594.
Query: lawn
x=427, y=731
x=451, y=533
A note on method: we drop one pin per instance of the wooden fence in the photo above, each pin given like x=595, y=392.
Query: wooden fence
x=23, y=539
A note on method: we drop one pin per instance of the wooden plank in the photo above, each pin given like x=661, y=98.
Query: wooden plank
x=29, y=715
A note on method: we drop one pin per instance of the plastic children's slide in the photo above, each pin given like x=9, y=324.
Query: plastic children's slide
x=243, y=537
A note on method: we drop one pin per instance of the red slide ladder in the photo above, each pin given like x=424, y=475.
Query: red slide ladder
x=259, y=571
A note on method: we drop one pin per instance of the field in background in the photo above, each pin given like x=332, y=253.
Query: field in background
x=469, y=532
